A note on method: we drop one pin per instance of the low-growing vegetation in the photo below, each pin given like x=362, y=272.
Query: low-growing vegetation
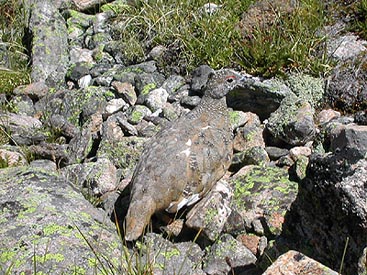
x=290, y=41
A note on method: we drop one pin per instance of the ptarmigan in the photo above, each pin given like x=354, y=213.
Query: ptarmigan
x=184, y=160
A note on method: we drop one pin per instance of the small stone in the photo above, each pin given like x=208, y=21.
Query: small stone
x=115, y=105
x=85, y=81
x=126, y=91
x=275, y=153
x=298, y=151
x=250, y=241
x=138, y=112
x=190, y=101
x=35, y=90
x=157, y=52
x=326, y=116
x=156, y=99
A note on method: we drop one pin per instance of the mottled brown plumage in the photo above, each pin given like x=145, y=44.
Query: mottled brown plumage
x=183, y=161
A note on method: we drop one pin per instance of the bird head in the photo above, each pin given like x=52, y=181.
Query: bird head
x=223, y=81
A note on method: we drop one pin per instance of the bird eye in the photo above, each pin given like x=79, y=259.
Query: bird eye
x=230, y=79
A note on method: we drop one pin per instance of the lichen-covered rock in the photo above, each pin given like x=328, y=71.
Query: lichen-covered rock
x=264, y=193
x=211, y=213
x=306, y=87
x=9, y=158
x=296, y=263
x=94, y=179
x=164, y=257
x=123, y=153
x=226, y=254
x=47, y=225
x=49, y=44
x=292, y=122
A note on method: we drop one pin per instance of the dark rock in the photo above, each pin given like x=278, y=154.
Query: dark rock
x=59, y=123
x=275, y=153
x=255, y=155
x=261, y=97
x=54, y=152
x=78, y=71
x=347, y=89
x=330, y=212
x=361, y=118
x=350, y=142
x=83, y=144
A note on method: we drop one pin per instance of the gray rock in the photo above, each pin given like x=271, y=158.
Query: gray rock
x=126, y=126
x=173, y=83
x=275, y=153
x=93, y=179
x=79, y=55
x=146, y=82
x=45, y=219
x=350, y=142
x=292, y=122
x=264, y=193
x=169, y=258
x=296, y=263
x=115, y=105
x=345, y=47
x=123, y=153
x=190, y=101
x=227, y=253
x=82, y=144
x=255, y=155
x=44, y=164
x=23, y=129
x=200, y=77
x=156, y=99
x=49, y=45
x=23, y=105
x=261, y=97
x=250, y=135
x=211, y=213
x=137, y=113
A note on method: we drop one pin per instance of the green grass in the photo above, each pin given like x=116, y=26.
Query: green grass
x=13, y=18
x=290, y=42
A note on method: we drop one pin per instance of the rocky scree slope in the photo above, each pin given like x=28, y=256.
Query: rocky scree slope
x=71, y=139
